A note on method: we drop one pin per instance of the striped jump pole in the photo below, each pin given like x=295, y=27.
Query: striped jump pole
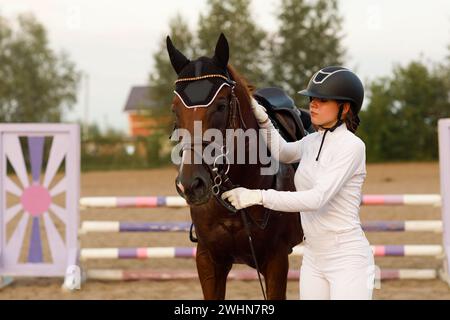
x=133, y=202
x=177, y=201
x=394, y=250
x=407, y=250
x=401, y=199
x=190, y=252
x=243, y=275
x=122, y=226
x=402, y=226
x=369, y=226
x=137, y=253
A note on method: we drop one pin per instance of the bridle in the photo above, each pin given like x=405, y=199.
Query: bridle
x=220, y=178
x=219, y=174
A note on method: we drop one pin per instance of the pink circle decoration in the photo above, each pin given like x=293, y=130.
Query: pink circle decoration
x=36, y=200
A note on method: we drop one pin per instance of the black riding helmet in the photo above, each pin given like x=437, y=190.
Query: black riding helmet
x=336, y=83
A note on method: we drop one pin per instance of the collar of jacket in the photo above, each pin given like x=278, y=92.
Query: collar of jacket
x=342, y=127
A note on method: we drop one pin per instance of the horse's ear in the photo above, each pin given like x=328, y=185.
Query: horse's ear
x=178, y=60
x=222, y=52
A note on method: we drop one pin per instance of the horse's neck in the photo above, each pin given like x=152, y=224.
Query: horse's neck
x=249, y=174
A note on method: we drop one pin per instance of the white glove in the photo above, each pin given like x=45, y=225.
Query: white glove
x=259, y=111
x=242, y=198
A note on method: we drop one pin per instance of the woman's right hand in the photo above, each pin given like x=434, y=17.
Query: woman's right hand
x=259, y=111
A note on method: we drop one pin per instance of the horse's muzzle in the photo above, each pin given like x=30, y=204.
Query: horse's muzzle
x=196, y=192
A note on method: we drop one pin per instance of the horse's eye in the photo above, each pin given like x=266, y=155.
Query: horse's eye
x=221, y=107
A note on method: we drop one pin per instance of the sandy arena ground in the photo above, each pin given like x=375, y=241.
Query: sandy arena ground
x=381, y=178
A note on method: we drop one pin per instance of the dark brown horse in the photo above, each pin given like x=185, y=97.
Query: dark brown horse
x=211, y=91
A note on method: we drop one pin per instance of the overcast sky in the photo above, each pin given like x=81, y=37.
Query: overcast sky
x=113, y=41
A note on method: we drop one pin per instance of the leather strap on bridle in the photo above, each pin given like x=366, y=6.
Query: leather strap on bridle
x=235, y=112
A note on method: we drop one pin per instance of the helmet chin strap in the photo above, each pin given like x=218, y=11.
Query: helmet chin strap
x=337, y=124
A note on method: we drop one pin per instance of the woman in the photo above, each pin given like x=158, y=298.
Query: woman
x=337, y=262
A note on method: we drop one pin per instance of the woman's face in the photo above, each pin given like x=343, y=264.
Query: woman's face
x=324, y=112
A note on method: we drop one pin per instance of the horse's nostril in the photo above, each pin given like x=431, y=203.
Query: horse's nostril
x=197, y=184
x=197, y=191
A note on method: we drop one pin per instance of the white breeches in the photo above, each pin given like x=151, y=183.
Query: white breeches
x=337, y=266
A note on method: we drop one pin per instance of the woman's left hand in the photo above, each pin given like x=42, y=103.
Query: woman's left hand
x=242, y=198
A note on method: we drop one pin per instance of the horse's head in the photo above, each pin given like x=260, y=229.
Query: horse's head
x=206, y=92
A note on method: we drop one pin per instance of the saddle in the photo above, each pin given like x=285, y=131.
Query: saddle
x=279, y=106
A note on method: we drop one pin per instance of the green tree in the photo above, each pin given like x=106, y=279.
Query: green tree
x=162, y=79
x=308, y=38
x=444, y=70
x=36, y=84
x=245, y=38
x=400, y=122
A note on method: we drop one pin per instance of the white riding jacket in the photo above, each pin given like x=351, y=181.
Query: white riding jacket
x=329, y=191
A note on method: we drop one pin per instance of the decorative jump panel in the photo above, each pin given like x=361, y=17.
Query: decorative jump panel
x=39, y=192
